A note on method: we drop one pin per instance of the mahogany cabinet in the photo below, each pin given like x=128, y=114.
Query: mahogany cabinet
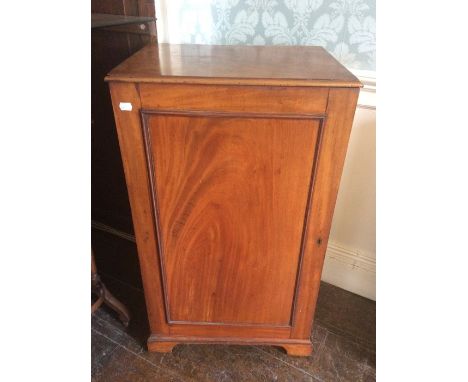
x=232, y=157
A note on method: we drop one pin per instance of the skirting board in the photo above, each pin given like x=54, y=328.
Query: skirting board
x=349, y=270
x=344, y=268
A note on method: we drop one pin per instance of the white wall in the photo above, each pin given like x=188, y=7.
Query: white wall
x=350, y=259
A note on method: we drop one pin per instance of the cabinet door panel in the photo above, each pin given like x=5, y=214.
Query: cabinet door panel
x=230, y=197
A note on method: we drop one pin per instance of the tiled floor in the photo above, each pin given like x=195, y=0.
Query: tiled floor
x=343, y=339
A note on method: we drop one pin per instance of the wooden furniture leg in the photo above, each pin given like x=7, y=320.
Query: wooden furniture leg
x=161, y=347
x=298, y=350
x=104, y=296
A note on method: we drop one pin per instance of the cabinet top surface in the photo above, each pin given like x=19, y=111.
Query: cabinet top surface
x=234, y=65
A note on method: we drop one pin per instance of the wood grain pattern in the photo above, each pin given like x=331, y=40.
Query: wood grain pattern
x=136, y=174
x=232, y=188
x=235, y=65
x=252, y=99
x=335, y=137
x=231, y=194
x=234, y=331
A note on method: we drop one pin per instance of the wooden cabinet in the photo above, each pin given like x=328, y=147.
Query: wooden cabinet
x=233, y=158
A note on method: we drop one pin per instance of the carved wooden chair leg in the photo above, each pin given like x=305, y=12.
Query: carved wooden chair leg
x=106, y=297
x=97, y=304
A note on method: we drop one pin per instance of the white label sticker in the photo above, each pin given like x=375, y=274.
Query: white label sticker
x=125, y=106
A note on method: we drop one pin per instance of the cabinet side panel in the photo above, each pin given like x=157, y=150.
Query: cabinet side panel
x=131, y=143
x=335, y=136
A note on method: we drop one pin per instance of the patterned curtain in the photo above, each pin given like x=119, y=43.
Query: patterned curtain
x=346, y=28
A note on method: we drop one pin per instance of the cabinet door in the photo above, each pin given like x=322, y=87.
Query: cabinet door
x=229, y=198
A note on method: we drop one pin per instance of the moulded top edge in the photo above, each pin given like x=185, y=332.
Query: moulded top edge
x=234, y=65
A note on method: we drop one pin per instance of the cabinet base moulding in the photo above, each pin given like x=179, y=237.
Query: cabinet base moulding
x=292, y=347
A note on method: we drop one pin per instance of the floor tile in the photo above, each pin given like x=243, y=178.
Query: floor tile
x=101, y=349
x=347, y=314
x=125, y=366
x=226, y=363
x=343, y=360
x=335, y=358
x=116, y=331
x=369, y=376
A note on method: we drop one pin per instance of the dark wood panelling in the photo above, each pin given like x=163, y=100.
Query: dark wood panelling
x=124, y=7
x=110, y=46
x=108, y=192
x=114, y=7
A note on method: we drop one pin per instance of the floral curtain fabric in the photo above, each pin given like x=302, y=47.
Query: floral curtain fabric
x=346, y=28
